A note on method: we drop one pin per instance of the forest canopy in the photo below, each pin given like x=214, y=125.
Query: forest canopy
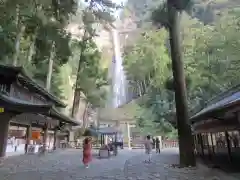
x=209, y=35
x=38, y=36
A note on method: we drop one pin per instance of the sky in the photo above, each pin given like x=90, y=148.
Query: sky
x=119, y=2
x=115, y=1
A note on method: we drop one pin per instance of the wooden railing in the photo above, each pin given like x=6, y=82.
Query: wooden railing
x=169, y=143
x=74, y=144
x=165, y=144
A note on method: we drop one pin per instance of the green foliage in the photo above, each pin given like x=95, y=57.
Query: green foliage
x=48, y=34
x=148, y=58
x=37, y=29
x=210, y=60
x=28, y=29
x=139, y=10
x=90, y=79
x=146, y=64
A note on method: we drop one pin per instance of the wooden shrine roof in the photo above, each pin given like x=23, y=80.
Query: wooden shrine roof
x=19, y=73
x=20, y=106
x=101, y=131
x=61, y=117
x=229, y=101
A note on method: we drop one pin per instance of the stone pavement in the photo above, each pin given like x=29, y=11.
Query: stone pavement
x=65, y=165
x=128, y=165
x=161, y=169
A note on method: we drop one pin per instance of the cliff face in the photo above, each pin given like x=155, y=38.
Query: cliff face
x=205, y=10
x=104, y=43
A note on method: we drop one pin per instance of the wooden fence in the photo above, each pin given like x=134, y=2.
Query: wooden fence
x=165, y=144
x=169, y=143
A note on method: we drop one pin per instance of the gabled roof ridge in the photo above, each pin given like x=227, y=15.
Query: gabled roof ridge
x=20, y=71
x=42, y=109
x=228, y=92
x=227, y=100
x=55, y=112
x=42, y=89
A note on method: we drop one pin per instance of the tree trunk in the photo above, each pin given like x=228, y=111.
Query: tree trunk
x=85, y=115
x=77, y=90
x=98, y=118
x=21, y=29
x=50, y=67
x=145, y=85
x=139, y=88
x=17, y=45
x=186, y=144
x=76, y=102
x=31, y=52
x=142, y=87
x=31, y=48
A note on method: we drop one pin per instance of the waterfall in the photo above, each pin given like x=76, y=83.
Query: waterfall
x=119, y=85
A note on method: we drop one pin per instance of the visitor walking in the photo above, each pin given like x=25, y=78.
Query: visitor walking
x=87, y=154
x=158, y=145
x=15, y=144
x=148, y=148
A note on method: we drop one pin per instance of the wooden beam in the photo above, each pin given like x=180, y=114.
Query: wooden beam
x=228, y=146
x=213, y=150
x=238, y=117
x=201, y=144
x=213, y=125
x=33, y=125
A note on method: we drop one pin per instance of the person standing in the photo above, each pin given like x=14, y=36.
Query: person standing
x=15, y=144
x=158, y=145
x=87, y=154
x=148, y=148
x=153, y=143
x=121, y=140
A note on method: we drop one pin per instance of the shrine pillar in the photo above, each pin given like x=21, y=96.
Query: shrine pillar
x=4, y=127
x=55, y=140
x=129, y=136
x=117, y=126
x=45, y=135
x=28, y=137
x=105, y=139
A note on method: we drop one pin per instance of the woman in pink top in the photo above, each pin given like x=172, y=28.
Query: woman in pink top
x=87, y=154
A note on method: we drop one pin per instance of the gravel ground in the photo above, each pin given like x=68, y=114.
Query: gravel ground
x=128, y=165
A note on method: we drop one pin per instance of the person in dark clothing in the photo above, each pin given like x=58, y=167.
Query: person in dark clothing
x=158, y=145
x=153, y=143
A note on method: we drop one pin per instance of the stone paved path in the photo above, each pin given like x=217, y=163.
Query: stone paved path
x=161, y=169
x=65, y=165
x=128, y=165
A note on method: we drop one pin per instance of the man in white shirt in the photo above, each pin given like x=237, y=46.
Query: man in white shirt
x=148, y=148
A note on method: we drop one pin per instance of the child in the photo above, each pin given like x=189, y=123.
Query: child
x=148, y=148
